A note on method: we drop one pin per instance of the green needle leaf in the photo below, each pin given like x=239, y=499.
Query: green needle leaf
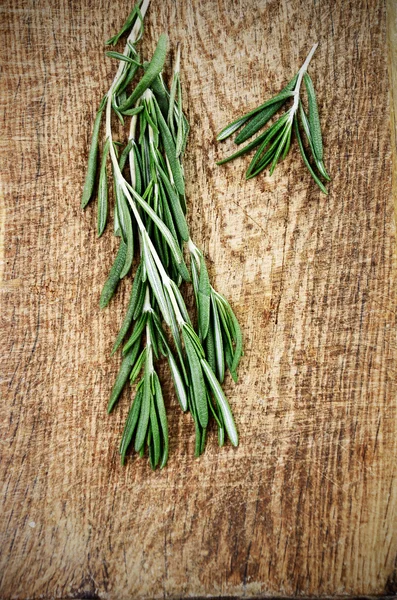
x=136, y=334
x=114, y=276
x=135, y=290
x=175, y=206
x=245, y=149
x=306, y=128
x=170, y=150
x=122, y=376
x=165, y=232
x=130, y=425
x=133, y=111
x=161, y=93
x=286, y=133
x=145, y=409
x=162, y=418
x=314, y=119
x=154, y=278
x=232, y=127
x=154, y=426
x=204, y=296
x=221, y=401
x=219, y=356
x=122, y=57
x=138, y=364
x=260, y=160
x=196, y=373
x=103, y=192
x=269, y=109
x=125, y=221
x=170, y=117
x=210, y=349
x=154, y=68
x=305, y=159
x=178, y=382
x=135, y=13
x=92, y=158
x=236, y=332
x=180, y=136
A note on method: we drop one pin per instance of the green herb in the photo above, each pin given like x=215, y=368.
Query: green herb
x=150, y=222
x=274, y=143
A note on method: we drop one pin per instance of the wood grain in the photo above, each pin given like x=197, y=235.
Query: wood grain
x=306, y=506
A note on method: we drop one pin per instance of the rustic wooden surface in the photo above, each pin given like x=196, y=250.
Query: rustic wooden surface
x=307, y=504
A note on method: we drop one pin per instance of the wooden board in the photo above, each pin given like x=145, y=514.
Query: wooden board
x=306, y=506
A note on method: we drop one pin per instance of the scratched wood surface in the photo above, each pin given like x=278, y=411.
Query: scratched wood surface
x=306, y=506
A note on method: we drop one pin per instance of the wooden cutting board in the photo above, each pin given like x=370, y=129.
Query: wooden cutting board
x=306, y=506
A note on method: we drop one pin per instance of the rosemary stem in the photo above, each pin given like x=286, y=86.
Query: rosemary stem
x=301, y=73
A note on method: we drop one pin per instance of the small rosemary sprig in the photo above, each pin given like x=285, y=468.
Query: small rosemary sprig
x=274, y=143
x=149, y=215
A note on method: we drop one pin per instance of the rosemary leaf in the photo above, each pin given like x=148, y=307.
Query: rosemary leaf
x=135, y=13
x=210, y=348
x=130, y=425
x=133, y=111
x=180, y=301
x=314, y=119
x=103, y=192
x=154, y=426
x=178, y=382
x=122, y=376
x=138, y=364
x=306, y=128
x=162, y=96
x=244, y=149
x=170, y=151
x=286, y=133
x=92, y=158
x=204, y=298
x=125, y=221
x=114, y=276
x=196, y=373
x=136, y=287
x=218, y=342
x=162, y=418
x=175, y=205
x=180, y=137
x=122, y=57
x=222, y=402
x=136, y=334
x=154, y=278
x=154, y=68
x=269, y=109
x=145, y=408
x=167, y=235
x=305, y=159
x=258, y=159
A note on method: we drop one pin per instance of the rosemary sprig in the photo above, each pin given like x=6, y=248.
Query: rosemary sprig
x=274, y=143
x=149, y=215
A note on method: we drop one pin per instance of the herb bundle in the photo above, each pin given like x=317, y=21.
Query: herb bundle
x=150, y=222
x=274, y=143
